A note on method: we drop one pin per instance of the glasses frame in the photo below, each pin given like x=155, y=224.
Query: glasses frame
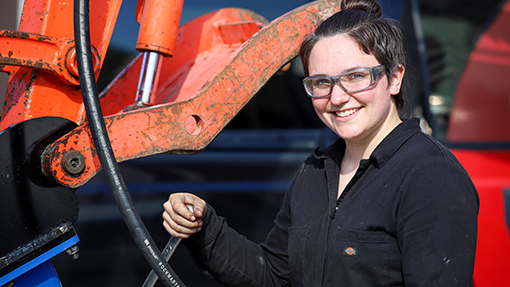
x=375, y=75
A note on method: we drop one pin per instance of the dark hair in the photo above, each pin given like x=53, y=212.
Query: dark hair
x=361, y=20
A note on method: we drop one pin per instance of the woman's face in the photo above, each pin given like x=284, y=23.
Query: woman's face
x=357, y=117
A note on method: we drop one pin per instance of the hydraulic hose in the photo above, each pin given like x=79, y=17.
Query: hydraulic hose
x=105, y=152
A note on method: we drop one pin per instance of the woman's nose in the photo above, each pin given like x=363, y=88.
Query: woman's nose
x=338, y=95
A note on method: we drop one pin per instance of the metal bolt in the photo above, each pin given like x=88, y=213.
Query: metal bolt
x=73, y=252
x=73, y=162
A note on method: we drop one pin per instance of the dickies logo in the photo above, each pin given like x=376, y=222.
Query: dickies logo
x=350, y=251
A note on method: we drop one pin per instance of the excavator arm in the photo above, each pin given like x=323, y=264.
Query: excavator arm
x=206, y=71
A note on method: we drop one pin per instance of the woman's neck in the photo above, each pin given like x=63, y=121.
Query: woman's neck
x=356, y=150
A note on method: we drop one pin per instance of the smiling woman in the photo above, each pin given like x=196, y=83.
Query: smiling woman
x=398, y=204
x=364, y=116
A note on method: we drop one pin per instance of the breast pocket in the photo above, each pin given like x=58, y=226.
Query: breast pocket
x=358, y=258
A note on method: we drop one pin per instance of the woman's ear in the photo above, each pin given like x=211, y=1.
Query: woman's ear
x=396, y=80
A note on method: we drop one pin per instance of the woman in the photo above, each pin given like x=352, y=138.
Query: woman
x=385, y=205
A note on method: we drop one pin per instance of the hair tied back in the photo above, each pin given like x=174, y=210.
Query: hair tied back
x=368, y=6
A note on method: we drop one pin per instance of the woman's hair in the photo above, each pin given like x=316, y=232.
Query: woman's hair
x=361, y=20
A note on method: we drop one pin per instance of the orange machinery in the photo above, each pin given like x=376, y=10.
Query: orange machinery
x=192, y=80
x=219, y=61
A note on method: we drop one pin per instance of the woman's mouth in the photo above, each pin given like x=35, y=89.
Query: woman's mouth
x=347, y=113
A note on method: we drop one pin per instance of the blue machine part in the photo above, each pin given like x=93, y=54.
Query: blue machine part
x=39, y=272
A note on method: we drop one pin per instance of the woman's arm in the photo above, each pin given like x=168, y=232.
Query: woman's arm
x=437, y=224
x=221, y=252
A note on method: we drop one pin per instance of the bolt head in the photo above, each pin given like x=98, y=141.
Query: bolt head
x=73, y=162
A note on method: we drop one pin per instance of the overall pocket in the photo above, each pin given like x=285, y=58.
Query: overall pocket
x=358, y=258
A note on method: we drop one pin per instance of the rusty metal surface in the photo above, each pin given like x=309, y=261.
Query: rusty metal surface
x=190, y=124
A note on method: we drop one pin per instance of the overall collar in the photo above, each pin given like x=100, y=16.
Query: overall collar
x=383, y=152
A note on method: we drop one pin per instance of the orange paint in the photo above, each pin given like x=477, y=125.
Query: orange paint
x=159, y=22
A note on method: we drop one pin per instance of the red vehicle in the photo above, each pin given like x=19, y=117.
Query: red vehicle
x=209, y=69
x=479, y=137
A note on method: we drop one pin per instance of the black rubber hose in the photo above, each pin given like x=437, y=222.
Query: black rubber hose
x=105, y=152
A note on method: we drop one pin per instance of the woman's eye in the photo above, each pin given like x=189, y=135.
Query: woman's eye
x=353, y=77
x=322, y=83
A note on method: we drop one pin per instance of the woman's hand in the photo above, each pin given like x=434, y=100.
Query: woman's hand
x=178, y=220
